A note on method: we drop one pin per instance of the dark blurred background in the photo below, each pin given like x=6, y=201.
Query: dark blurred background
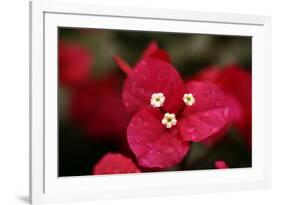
x=89, y=106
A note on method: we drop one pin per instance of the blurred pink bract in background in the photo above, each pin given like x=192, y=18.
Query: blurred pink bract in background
x=98, y=108
x=74, y=63
x=113, y=163
x=221, y=164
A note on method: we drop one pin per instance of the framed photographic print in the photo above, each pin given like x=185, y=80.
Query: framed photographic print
x=129, y=102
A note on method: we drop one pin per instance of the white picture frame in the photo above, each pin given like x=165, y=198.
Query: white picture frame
x=46, y=186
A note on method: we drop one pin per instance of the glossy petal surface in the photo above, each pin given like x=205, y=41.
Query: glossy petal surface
x=237, y=82
x=207, y=116
x=237, y=86
x=153, y=76
x=154, y=145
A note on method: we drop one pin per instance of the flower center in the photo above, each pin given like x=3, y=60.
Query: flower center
x=169, y=120
x=157, y=99
x=188, y=99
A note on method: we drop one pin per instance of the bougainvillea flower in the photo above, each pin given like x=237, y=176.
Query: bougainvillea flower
x=97, y=107
x=114, y=163
x=159, y=133
x=236, y=83
x=220, y=164
x=75, y=62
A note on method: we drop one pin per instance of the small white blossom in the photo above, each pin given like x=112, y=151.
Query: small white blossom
x=157, y=99
x=169, y=120
x=188, y=99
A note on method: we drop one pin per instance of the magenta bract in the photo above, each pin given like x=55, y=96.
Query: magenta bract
x=207, y=116
x=220, y=164
x=114, y=163
x=150, y=76
x=153, y=144
x=237, y=86
x=97, y=107
x=75, y=62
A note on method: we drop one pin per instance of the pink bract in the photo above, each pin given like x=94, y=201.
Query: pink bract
x=114, y=163
x=75, y=62
x=150, y=76
x=207, y=116
x=220, y=164
x=237, y=86
x=153, y=144
x=238, y=83
x=97, y=107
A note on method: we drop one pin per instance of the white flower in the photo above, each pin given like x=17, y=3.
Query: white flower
x=157, y=99
x=188, y=99
x=169, y=120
